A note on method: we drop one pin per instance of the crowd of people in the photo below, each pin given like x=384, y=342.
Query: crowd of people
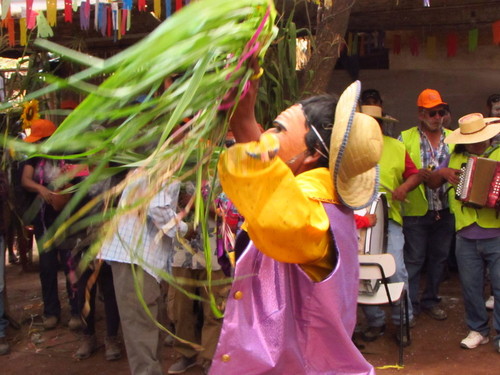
x=288, y=282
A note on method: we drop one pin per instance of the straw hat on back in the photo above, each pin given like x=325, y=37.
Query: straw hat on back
x=474, y=128
x=355, y=149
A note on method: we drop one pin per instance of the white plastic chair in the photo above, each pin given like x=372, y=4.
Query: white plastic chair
x=381, y=267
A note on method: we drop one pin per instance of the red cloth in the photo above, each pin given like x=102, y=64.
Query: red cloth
x=361, y=221
x=496, y=32
x=410, y=167
x=452, y=44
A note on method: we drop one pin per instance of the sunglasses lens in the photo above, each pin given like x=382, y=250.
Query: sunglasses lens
x=441, y=113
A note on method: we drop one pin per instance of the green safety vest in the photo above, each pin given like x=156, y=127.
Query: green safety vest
x=465, y=216
x=418, y=205
x=392, y=167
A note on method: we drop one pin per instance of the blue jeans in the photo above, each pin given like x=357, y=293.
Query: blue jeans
x=395, y=242
x=427, y=241
x=472, y=257
x=3, y=322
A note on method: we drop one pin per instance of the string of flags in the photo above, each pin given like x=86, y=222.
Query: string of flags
x=361, y=43
x=112, y=18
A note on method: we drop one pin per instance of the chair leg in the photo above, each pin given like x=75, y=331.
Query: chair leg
x=407, y=314
x=401, y=330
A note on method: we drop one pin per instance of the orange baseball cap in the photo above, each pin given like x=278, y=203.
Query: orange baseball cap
x=430, y=98
x=40, y=129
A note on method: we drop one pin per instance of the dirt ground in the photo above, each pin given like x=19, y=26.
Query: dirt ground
x=434, y=350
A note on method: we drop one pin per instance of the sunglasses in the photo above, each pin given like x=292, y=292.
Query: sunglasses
x=441, y=112
x=494, y=98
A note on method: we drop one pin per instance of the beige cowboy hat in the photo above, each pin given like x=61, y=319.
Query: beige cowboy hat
x=375, y=111
x=355, y=149
x=474, y=128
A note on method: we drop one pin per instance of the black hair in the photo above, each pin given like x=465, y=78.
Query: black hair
x=370, y=94
x=493, y=98
x=319, y=112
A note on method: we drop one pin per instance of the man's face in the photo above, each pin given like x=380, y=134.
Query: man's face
x=495, y=109
x=290, y=129
x=432, y=119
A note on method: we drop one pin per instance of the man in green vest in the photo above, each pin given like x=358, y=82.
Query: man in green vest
x=427, y=221
x=398, y=176
x=478, y=228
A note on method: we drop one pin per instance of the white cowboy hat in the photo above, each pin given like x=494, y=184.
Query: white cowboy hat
x=355, y=149
x=474, y=128
x=375, y=111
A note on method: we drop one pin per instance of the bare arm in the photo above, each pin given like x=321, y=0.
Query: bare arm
x=29, y=184
x=440, y=176
x=410, y=183
x=243, y=122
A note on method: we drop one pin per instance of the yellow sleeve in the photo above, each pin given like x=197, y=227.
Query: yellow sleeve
x=282, y=221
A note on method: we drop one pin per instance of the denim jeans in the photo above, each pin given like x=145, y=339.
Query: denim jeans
x=427, y=241
x=3, y=321
x=375, y=316
x=472, y=258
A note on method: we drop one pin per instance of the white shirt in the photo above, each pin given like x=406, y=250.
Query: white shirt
x=137, y=239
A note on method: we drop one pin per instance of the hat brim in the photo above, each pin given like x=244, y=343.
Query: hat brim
x=358, y=191
x=32, y=139
x=488, y=132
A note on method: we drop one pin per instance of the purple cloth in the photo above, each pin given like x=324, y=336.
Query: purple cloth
x=278, y=321
x=475, y=232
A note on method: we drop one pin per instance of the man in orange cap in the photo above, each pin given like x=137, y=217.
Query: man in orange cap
x=427, y=224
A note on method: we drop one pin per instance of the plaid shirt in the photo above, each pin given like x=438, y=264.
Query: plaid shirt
x=431, y=159
x=136, y=240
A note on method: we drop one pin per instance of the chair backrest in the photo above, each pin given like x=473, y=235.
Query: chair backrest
x=371, y=266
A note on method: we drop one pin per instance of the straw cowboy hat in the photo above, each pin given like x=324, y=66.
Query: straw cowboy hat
x=355, y=149
x=375, y=111
x=473, y=128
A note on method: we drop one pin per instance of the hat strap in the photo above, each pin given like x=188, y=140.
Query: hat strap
x=322, y=142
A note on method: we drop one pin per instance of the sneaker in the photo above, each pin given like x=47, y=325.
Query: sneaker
x=182, y=364
x=88, y=346
x=75, y=323
x=372, y=333
x=112, y=348
x=473, y=340
x=490, y=303
x=436, y=312
x=4, y=346
x=50, y=322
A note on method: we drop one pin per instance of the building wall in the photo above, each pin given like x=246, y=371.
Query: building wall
x=464, y=81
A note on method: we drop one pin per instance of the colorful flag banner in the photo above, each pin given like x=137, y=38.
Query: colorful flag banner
x=452, y=44
x=473, y=39
x=52, y=12
x=68, y=11
x=43, y=28
x=496, y=33
x=157, y=8
x=5, y=8
x=23, y=31
x=414, y=45
x=141, y=5
x=168, y=8
x=431, y=47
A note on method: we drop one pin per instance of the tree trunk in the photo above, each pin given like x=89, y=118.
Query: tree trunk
x=329, y=41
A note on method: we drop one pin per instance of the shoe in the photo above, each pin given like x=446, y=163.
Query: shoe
x=4, y=346
x=496, y=344
x=75, y=323
x=372, y=333
x=182, y=364
x=88, y=346
x=436, y=312
x=490, y=303
x=50, y=322
x=473, y=340
x=406, y=341
x=112, y=348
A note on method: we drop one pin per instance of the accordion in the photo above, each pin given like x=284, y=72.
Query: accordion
x=479, y=184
